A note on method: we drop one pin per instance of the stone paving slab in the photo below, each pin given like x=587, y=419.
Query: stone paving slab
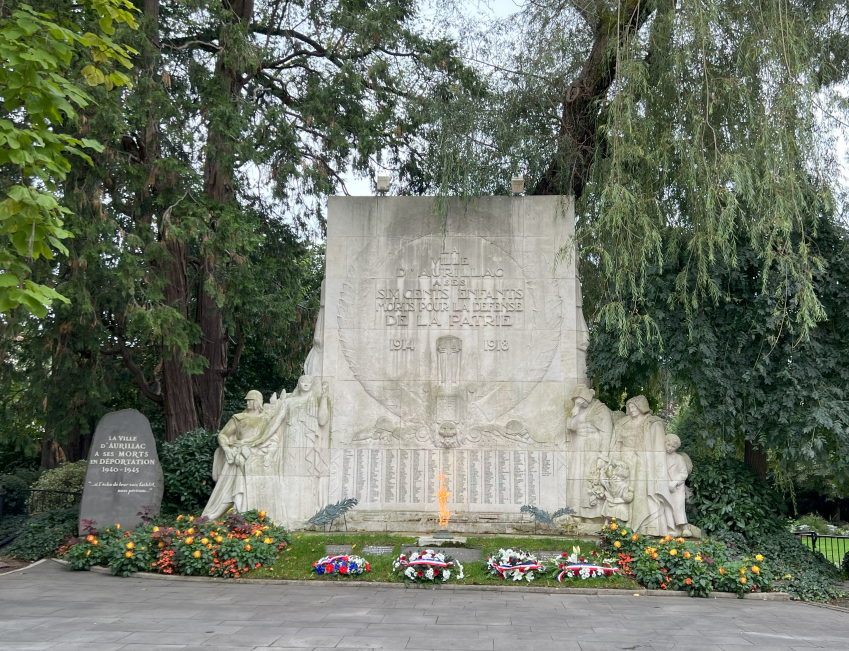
x=46, y=608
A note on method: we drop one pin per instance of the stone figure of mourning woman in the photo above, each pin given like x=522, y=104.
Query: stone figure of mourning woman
x=639, y=441
x=306, y=443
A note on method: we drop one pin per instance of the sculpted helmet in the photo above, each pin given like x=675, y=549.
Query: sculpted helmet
x=254, y=395
x=581, y=391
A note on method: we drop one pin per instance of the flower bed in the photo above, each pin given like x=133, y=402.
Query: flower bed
x=346, y=565
x=516, y=564
x=427, y=566
x=225, y=548
x=699, y=567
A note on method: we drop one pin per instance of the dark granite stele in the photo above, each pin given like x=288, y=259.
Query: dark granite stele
x=124, y=475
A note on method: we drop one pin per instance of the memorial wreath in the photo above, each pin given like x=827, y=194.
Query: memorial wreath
x=344, y=565
x=427, y=566
x=575, y=566
x=513, y=564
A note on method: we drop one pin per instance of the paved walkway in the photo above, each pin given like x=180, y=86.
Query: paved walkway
x=47, y=607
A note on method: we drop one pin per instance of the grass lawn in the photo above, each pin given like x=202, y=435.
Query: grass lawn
x=295, y=562
x=832, y=548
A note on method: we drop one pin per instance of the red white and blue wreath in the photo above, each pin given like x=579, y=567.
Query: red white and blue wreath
x=427, y=566
x=514, y=564
x=344, y=565
x=575, y=566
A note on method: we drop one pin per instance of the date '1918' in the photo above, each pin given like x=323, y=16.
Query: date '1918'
x=495, y=345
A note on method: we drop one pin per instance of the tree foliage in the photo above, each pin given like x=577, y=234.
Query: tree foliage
x=38, y=49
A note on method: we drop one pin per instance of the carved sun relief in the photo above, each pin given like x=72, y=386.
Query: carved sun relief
x=448, y=334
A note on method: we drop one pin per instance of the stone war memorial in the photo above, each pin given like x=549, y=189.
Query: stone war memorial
x=450, y=357
x=123, y=476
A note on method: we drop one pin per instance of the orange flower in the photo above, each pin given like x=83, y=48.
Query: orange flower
x=180, y=517
x=743, y=580
x=90, y=538
x=262, y=514
x=161, y=545
x=209, y=546
x=613, y=526
x=189, y=540
x=680, y=540
x=196, y=554
x=129, y=554
x=722, y=570
x=742, y=570
x=673, y=552
x=94, y=542
x=756, y=569
x=218, y=539
x=635, y=537
x=654, y=555
x=247, y=548
x=130, y=545
x=686, y=554
x=204, y=541
x=688, y=581
x=190, y=531
x=268, y=541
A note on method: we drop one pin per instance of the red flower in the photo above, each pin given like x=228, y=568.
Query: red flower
x=368, y=567
x=343, y=569
x=420, y=573
x=688, y=581
x=328, y=568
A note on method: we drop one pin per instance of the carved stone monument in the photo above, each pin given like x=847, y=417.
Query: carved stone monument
x=123, y=474
x=449, y=346
x=450, y=353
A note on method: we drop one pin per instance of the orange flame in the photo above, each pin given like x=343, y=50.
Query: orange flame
x=442, y=496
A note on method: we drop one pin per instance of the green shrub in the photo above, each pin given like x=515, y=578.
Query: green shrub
x=68, y=477
x=729, y=496
x=187, y=466
x=42, y=535
x=15, y=483
x=10, y=525
x=814, y=522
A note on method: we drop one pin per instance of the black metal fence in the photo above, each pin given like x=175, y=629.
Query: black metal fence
x=38, y=501
x=834, y=548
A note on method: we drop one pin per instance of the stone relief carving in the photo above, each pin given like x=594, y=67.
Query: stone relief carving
x=417, y=289
x=588, y=431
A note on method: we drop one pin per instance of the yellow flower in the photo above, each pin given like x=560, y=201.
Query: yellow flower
x=189, y=540
x=94, y=542
x=247, y=548
x=680, y=540
x=191, y=518
x=129, y=554
x=742, y=570
x=155, y=529
x=130, y=545
x=218, y=539
x=624, y=532
x=190, y=530
x=613, y=527
x=196, y=554
x=204, y=541
x=756, y=569
x=698, y=559
x=88, y=553
x=743, y=580
x=268, y=541
x=262, y=514
x=759, y=558
x=117, y=526
x=673, y=552
x=787, y=576
x=180, y=517
x=617, y=544
x=686, y=554
x=161, y=545
x=209, y=546
x=298, y=537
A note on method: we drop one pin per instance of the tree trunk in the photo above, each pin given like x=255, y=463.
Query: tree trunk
x=755, y=458
x=76, y=448
x=218, y=187
x=180, y=415
x=51, y=453
x=584, y=99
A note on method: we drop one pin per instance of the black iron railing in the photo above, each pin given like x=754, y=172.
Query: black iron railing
x=38, y=501
x=834, y=548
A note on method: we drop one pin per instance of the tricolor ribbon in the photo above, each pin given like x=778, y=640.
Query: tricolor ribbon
x=428, y=562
